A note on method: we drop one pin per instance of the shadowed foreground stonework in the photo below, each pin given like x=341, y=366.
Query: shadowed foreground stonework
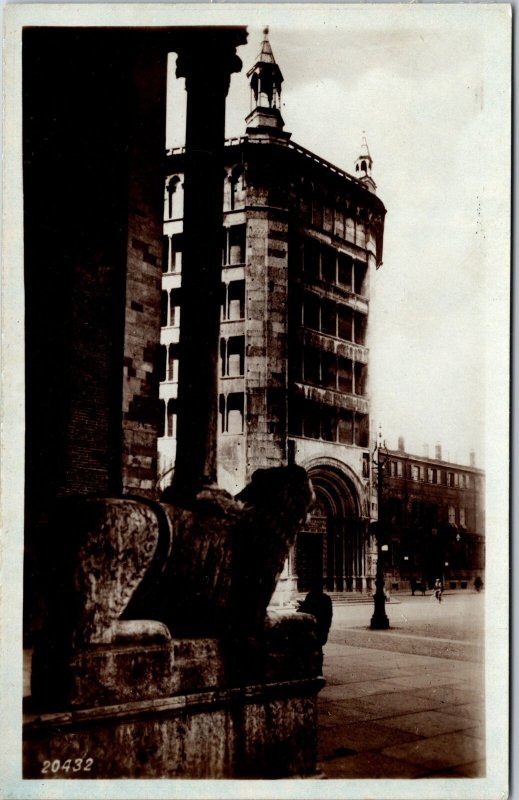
x=158, y=658
x=152, y=652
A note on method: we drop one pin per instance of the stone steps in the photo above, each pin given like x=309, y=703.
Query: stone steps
x=343, y=598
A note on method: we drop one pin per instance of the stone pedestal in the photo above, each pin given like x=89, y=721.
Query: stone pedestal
x=158, y=658
x=178, y=710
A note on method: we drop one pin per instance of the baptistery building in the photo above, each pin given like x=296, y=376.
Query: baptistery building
x=300, y=241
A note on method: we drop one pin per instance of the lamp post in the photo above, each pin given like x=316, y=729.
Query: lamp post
x=379, y=620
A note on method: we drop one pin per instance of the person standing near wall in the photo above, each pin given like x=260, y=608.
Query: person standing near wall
x=319, y=605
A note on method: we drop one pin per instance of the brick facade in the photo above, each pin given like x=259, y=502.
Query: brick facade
x=432, y=519
x=94, y=130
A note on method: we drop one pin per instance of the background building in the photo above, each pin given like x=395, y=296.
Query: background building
x=431, y=518
x=300, y=240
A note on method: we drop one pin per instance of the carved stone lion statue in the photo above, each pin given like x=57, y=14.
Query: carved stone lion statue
x=130, y=569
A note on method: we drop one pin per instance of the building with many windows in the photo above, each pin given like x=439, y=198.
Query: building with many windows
x=431, y=518
x=300, y=241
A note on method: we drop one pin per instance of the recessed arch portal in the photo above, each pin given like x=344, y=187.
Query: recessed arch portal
x=331, y=545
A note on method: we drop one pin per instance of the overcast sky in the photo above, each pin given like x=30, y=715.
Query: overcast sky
x=422, y=87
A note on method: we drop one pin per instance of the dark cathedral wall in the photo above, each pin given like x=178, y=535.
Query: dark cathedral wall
x=93, y=134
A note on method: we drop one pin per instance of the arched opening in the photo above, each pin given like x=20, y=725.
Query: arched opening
x=237, y=187
x=173, y=198
x=332, y=544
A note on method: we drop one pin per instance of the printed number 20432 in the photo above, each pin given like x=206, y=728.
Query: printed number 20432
x=69, y=765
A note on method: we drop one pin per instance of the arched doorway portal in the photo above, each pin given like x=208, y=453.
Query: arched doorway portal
x=332, y=543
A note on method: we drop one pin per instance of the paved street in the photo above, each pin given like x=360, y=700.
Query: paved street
x=403, y=703
x=408, y=702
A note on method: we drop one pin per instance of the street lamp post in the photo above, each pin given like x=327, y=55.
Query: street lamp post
x=379, y=620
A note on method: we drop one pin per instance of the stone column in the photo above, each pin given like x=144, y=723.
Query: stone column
x=206, y=60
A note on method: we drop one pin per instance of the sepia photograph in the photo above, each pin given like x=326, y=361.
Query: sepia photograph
x=256, y=339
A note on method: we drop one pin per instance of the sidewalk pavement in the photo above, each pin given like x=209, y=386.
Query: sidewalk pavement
x=385, y=713
x=397, y=705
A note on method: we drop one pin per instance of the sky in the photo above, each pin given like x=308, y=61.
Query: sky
x=422, y=88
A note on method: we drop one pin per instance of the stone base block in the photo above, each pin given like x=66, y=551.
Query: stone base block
x=107, y=675
x=120, y=674
x=266, y=731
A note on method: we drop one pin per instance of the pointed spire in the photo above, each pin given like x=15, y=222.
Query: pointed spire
x=265, y=82
x=364, y=149
x=266, y=56
x=364, y=164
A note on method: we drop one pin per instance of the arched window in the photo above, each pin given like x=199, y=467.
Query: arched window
x=173, y=198
x=363, y=166
x=237, y=187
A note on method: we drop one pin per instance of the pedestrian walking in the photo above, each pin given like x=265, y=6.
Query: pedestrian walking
x=413, y=583
x=438, y=590
x=319, y=605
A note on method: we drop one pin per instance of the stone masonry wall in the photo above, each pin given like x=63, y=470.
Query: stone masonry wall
x=92, y=270
x=140, y=403
x=266, y=335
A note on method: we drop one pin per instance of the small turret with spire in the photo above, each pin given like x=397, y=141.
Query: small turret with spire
x=364, y=164
x=265, y=82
